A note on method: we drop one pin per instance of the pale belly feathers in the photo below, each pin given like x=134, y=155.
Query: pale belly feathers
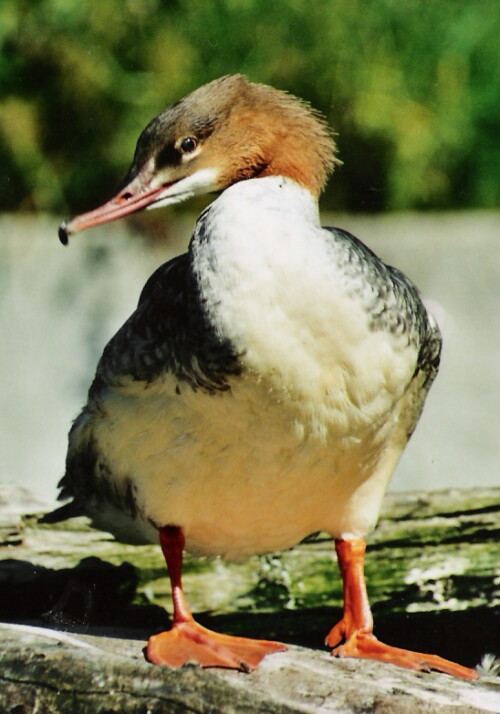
x=246, y=471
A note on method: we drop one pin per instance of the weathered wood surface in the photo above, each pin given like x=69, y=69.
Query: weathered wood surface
x=101, y=676
x=76, y=614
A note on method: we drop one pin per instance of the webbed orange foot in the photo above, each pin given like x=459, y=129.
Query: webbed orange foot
x=365, y=645
x=353, y=635
x=187, y=641
x=190, y=642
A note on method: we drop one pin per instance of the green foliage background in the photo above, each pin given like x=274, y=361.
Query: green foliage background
x=412, y=87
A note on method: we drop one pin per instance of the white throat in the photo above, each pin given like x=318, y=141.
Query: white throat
x=254, y=252
x=273, y=283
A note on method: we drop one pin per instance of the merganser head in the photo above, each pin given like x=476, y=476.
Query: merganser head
x=226, y=131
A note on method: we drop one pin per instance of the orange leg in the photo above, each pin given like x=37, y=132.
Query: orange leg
x=355, y=627
x=187, y=641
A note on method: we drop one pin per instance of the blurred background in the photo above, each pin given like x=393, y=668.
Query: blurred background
x=413, y=90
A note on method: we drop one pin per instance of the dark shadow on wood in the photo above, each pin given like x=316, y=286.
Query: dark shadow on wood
x=94, y=593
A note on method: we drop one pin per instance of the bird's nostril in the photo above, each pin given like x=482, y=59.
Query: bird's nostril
x=125, y=196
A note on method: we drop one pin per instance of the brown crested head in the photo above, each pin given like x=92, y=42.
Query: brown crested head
x=225, y=131
x=244, y=130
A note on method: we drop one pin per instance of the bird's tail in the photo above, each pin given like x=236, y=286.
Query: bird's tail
x=69, y=510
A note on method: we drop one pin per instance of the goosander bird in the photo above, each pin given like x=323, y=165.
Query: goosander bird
x=269, y=379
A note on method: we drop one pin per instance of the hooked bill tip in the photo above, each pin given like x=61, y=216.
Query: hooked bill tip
x=63, y=233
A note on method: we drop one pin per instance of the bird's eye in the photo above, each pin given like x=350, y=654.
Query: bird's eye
x=188, y=145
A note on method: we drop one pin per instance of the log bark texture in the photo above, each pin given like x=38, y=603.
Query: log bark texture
x=76, y=609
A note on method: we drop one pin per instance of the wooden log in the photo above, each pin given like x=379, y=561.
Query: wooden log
x=74, y=626
x=89, y=675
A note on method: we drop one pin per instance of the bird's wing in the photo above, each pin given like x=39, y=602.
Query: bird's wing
x=394, y=304
x=168, y=334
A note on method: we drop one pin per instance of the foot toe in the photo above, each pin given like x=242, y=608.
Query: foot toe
x=190, y=642
x=367, y=646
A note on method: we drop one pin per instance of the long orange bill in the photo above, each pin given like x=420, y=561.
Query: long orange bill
x=130, y=199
